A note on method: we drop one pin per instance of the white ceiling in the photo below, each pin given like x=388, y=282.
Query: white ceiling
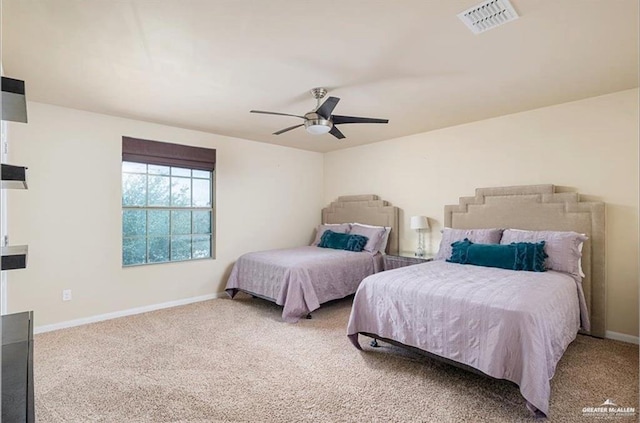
x=204, y=64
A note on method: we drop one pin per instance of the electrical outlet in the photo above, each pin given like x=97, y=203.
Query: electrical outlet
x=66, y=295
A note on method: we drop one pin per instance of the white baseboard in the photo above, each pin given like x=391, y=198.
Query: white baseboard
x=123, y=313
x=616, y=336
x=144, y=309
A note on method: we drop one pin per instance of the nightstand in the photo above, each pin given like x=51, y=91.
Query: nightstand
x=402, y=259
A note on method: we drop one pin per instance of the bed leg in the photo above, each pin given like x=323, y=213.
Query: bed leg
x=308, y=316
x=374, y=343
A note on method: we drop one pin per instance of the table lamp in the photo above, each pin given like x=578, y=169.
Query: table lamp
x=420, y=224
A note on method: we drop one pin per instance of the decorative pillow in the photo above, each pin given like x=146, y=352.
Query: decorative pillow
x=563, y=248
x=479, y=236
x=375, y=234
x=515, y=256
x=342, y=228
x=340, y=241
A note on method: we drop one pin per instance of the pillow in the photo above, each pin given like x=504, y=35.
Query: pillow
x=479, y=236
x=342, y=228
x=385, y=240
x=581, y=273
x=382, y=248
x=375, y=234
x=339, y=241
x=515, y=256
x=563, y=248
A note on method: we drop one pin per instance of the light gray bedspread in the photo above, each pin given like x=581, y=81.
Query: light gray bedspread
x=300, y=279
x=508, y=324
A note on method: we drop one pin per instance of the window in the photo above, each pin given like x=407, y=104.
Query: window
x=167, y=202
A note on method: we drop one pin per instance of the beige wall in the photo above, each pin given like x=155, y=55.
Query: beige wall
x=70, y=216
x=589, y=145
x=266, y=197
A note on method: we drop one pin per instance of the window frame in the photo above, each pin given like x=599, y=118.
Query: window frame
x=185, y=155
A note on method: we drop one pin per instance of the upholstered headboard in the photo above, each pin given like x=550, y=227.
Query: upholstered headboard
x=540, y=207
x=367, y=209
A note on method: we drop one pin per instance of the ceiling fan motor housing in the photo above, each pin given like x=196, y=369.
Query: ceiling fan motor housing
x=316, y=124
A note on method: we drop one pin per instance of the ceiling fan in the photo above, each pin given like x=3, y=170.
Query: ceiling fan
x=320, y=120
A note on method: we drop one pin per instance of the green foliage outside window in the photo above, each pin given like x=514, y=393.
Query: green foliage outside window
x=166, y=214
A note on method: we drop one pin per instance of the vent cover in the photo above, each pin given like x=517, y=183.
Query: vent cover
x=488, y=15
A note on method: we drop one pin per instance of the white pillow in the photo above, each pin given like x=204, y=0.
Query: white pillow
x=382, y=247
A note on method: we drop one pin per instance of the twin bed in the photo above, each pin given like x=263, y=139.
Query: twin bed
x=506, y=324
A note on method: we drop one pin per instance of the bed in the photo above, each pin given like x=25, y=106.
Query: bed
x=505, y=324
x=301, y=279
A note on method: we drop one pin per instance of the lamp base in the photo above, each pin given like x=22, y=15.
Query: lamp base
x=420, y=252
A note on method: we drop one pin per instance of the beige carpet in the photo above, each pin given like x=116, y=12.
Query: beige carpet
x=225, y=360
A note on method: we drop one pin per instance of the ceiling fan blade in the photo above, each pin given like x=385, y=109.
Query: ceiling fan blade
x=336, y=133
x=275, y=113
x=337, y=120
x=327, y=107
x=282, y=131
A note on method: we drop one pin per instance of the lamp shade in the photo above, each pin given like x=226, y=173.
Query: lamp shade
x=419, y=222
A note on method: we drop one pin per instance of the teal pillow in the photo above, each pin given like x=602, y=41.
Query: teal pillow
x=340, y=241
x=527, y=256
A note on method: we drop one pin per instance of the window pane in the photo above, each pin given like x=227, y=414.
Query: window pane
x=201, y=174
x=180, y=247
x=159, y=170
x=180, y=222
x=178, y=171
x=201, y=193
x=158, y=222
x=134, y=222
x=201, y=222
x=134, y=189
x=181, y=192
x=134, y=167
x=159, y=190
x=201, y=246
x=134, y=251
x=158, y=249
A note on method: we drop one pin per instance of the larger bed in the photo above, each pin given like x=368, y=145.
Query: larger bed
x=301, y=279
x=507, y=324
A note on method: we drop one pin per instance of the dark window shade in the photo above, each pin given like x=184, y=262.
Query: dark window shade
x=167, y=154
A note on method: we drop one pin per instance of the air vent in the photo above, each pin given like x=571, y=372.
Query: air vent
x=488, y=15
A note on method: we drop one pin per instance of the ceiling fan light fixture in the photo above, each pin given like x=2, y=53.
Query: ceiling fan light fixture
x=321, y=120
x=318, y=126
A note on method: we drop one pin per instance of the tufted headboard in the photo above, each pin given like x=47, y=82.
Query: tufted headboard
x=367, y=209
x=540, y=207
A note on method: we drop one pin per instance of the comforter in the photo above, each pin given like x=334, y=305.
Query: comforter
x=300, y=279
x=507, y=324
